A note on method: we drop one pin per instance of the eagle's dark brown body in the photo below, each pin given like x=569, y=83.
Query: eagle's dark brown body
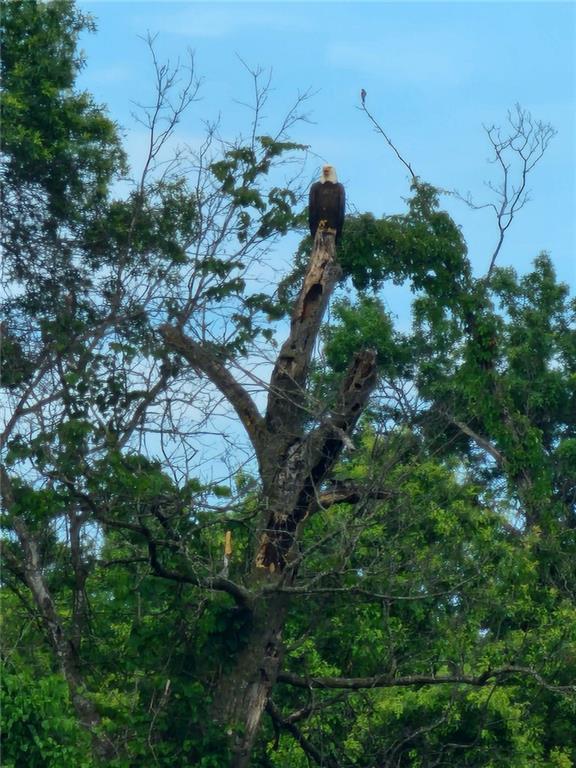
x=326, y=204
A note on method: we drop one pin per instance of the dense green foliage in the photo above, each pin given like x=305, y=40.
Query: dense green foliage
x=433, y=622
x=38, y=727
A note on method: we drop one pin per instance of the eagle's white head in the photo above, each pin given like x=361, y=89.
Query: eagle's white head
x=329, y=174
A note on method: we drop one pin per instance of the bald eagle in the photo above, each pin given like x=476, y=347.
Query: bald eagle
x=326, y=203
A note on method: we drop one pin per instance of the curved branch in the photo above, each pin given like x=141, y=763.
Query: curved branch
x=241, y=595
x=201, y=359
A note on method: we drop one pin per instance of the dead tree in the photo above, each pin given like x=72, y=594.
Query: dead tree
x=294, y=460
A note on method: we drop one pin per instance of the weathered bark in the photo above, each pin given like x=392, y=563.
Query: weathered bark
x=293, y=494
x=243, y=692
x=62, y=644
x=287, y=407
x=294, y=460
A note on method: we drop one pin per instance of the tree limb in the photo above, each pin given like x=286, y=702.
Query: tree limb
x=241, y=595
x=388, y=140
x=348, y=493
x=200, y=358
x=63, y=648
x=389, y=681
x=287, y=409
x=292, y=492
x=287, y=725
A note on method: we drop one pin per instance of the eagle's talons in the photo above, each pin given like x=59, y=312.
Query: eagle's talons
x=325, y=228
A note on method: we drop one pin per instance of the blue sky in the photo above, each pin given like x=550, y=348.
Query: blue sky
x=434, y=74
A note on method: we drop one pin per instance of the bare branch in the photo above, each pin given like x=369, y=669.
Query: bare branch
x=380, y=130
x=163, y=116
x=480, y=441
x=516, y=154
x=200, y=358
x=287, y=408
x=389, y=681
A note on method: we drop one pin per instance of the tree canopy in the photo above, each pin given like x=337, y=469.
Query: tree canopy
x=377, y=569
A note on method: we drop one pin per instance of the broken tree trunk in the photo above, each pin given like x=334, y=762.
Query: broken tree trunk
x=296, y=450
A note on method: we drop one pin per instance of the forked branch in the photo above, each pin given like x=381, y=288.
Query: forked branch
x=515, y=153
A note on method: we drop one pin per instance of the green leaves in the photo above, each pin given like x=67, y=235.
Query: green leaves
x=442, y=548
x=39, y=729
x=60, y=149
x=423, y=246
x=360, y=325
x=466, y=565
x=241, y=172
